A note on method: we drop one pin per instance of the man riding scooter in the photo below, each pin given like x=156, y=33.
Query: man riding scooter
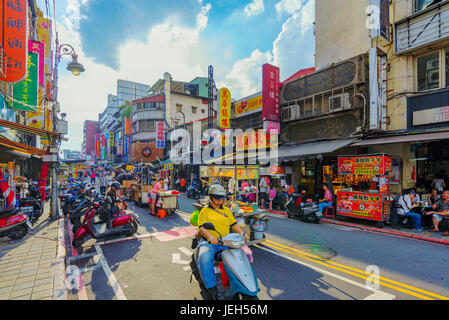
x=222, y=219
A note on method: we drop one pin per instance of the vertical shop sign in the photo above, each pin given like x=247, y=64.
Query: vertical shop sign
x=97, y=145
x=38, y=48
x=224, y=109
x=14, y=40
x=270, y=93
x=27, y=90
x=127, y=126
x=160, y=139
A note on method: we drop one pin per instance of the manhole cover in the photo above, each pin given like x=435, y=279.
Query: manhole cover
x=316, y=250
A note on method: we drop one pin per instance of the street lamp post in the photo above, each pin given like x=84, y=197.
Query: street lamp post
x=76, y=68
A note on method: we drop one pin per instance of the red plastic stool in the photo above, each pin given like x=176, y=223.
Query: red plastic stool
x=326, y=212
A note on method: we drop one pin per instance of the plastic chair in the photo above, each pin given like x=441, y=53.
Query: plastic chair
x=327, y=214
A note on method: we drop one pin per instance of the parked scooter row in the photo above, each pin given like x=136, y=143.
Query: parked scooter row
x=111, y=221
x=304, y=209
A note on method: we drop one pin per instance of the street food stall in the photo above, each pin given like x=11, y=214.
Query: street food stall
x=142, y=185
x=365, y=194
x=247, y=215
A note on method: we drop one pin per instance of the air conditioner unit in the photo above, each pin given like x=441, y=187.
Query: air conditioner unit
x=339, y=102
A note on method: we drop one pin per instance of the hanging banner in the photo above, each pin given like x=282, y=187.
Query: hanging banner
x=97, y=145
x=27, y=90
x=127, y=126
x=38, y=48
x=14, y=39
x=160, y=135
x=48, y=120
x=270, y=93
x=224, y=109
x=44, y=34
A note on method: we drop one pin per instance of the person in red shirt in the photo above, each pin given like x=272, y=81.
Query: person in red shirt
x=183, y=185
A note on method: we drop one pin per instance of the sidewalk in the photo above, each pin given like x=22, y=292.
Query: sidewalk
x=387, y=229
x=33, y=268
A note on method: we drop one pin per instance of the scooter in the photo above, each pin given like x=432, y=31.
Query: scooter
x=243, y=283
x=14, y=224
x=123, y=224
x=32, y=205
x=305, y=211
x=193, y=192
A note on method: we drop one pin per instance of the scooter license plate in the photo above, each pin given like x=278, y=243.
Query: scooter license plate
x=26, y=209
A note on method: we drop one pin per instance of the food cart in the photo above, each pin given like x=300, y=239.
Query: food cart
x=141, y=187
x=247, y=215
x=366, y=192
x=168, y=203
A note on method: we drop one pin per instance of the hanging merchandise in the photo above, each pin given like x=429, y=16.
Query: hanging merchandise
x=8, y=194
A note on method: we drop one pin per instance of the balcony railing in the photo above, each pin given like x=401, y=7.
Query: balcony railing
x=322, y=104
x=422, y=28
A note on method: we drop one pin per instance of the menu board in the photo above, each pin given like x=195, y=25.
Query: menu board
x=360, y=205
x=365, y=165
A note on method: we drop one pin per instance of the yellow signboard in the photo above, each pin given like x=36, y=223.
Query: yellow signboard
x=248, y=105
x=224, y=109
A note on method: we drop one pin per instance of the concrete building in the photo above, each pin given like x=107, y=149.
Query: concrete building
x=90, y=130
x=185, y=101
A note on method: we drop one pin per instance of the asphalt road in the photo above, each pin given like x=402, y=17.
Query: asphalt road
x=299, y=261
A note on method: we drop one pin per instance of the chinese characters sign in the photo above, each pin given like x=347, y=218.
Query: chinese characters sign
x=127, y=126
x=160, y=135
x=248, y=105
x=224, y=109
x=38, y=48
x=14, y=39
x=97, y=145
x=27, y=90
x=360, y=205
x=270, y=93
x=368, y=166
x=246, y=174
x=253, y=140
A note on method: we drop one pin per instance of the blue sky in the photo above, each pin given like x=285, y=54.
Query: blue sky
x=139, y=40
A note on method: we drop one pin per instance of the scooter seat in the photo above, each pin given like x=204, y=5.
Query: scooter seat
x=8, y=213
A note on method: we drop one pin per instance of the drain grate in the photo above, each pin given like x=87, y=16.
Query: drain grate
x=317, y=250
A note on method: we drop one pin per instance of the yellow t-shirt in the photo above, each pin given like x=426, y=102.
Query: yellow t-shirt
x=221, y=223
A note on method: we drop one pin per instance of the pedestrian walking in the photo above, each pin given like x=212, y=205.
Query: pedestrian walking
x=102, y=184
x=93, y=177
x=178, y=184
x=263, y=192
x=183, y=184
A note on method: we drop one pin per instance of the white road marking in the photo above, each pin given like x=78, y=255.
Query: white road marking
x=187, y=268
x=377, y=294
x=111, y=278
x=176, y=258
x=185, y=251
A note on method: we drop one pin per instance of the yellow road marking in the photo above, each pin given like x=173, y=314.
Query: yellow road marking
x=360, y=271
x=337, y=266
x=352, y=273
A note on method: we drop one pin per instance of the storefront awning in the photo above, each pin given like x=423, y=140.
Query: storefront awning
x=422, y=137
x=305, y=151
x=20, y=149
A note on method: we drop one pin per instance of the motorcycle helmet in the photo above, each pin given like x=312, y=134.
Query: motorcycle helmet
x=116, y=185
x=216, y=191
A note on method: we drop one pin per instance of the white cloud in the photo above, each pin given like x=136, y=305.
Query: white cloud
x=293, y=49
x=169, y=48
x=255, y=8
x=246, y=75
x=288, y=6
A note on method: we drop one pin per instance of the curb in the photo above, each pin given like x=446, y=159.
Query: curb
x=377, y=230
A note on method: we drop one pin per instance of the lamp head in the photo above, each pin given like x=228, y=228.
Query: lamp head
x=75, y=67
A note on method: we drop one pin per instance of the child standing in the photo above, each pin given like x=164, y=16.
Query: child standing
x=272, y=194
